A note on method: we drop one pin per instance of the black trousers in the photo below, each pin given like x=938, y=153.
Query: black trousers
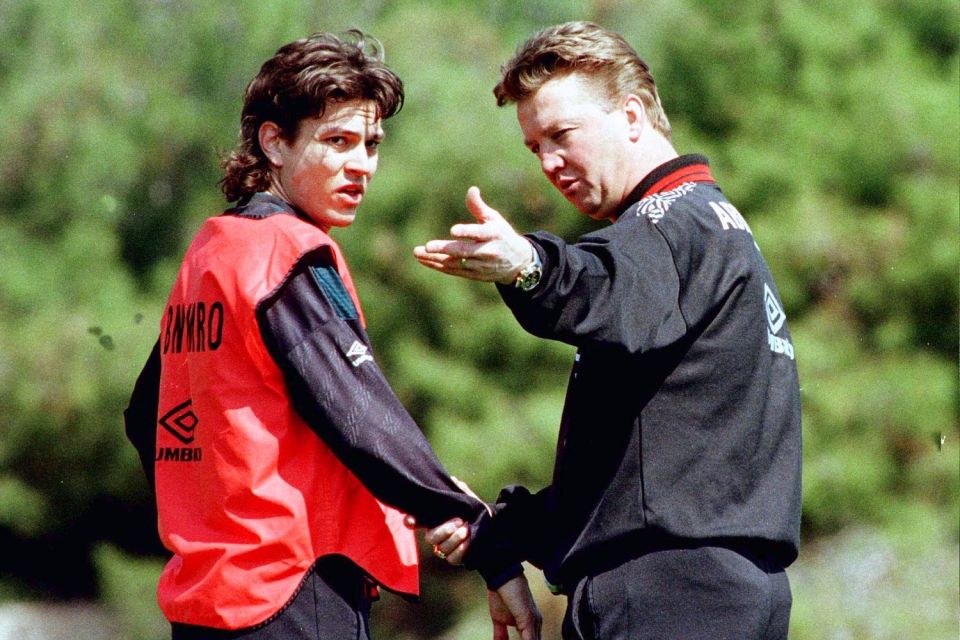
x=333, y=604
x=696, y=593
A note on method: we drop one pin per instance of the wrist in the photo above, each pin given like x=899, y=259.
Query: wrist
x=528, y=276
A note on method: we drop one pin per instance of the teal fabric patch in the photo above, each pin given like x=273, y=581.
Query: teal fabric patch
x=334, y=290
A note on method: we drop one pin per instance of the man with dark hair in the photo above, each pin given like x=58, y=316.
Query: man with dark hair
x=281, y=459
x=675, y=502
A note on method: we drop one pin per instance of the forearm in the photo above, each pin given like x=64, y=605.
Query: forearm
x=384, y=448
x=140, y=416
x=598, y=292
x=359, y=417
x=338, y=389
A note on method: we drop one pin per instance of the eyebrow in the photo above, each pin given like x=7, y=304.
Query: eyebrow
x=530, y=143
x=328, y=128
x=551, y=130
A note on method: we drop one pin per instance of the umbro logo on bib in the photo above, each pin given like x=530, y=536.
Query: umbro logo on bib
x=181, y=422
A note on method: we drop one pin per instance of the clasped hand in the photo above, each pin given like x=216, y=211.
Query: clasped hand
x=512, y=605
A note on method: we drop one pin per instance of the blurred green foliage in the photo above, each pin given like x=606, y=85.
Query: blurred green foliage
x=833, y=126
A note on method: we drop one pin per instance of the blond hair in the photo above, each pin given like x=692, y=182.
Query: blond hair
x=586, y=48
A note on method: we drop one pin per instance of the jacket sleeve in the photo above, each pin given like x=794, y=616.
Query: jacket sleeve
x=313, y=333
x=617, y=288
x=524, y=527
x=140, y=416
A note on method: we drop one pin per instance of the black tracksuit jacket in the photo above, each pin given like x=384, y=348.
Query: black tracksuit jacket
x=681, y=423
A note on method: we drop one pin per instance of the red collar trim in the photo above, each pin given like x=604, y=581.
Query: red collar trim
x=669, y=175
x=690, y=173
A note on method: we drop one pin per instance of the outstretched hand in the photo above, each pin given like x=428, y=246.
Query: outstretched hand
x=488, y=250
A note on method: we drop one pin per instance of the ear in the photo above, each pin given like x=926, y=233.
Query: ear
x=636, y=116
x=270, y=140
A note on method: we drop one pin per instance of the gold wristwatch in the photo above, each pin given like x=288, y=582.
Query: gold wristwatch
x=529, y=276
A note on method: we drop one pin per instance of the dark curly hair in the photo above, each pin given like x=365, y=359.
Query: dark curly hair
x=298, y=82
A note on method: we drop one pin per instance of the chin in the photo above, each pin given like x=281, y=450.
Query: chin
x=595, y=210
x=330, y=219
x=587, y=209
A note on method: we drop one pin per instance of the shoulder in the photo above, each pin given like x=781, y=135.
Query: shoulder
x=257, y=255
x=281, y=237
x=699, y=209
x=685, y=199
x=654, y=207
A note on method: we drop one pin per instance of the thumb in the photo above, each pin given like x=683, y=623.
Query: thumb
x=480, y=210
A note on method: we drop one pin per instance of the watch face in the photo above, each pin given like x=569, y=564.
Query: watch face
x=529, y=278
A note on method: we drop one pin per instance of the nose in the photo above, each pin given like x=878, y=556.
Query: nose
x=361, y=162
x=550, y=162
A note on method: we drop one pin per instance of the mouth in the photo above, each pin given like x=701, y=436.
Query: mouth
x=352, y=193
x=567, y=186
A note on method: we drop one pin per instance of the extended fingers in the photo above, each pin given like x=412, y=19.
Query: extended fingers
x=439, y=260
x=456, y=248
x=436, y=261
x=475, y=232
x=454, y=266
x=479, y=209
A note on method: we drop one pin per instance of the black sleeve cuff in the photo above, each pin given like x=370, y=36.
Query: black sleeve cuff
x=497, y=581
x=499, y=543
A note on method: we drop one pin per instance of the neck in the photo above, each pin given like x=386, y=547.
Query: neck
x=652, y=150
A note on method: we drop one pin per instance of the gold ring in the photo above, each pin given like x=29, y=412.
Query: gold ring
x=440, y=554
x=463, y=263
